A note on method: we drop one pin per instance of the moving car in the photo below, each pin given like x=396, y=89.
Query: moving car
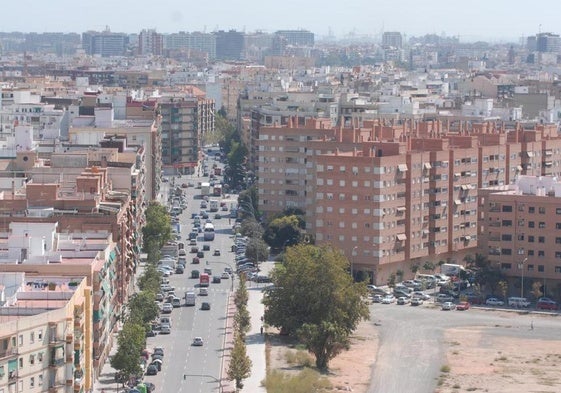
x=493, y=301
x=216, y=280
x=216, y=253
x=205, y=306
x=198, y=342
x=225, y=276
x=203, y=291
x=462, y=306
x=447, y=306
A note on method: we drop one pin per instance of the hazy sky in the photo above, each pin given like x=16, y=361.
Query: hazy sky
x=470, y=19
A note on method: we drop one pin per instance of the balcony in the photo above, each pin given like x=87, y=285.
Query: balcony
x=55, y=340
x=12, y=376
x=56, y=362
x=8, y=353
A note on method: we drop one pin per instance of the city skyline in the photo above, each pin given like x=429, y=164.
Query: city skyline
x=479, y=20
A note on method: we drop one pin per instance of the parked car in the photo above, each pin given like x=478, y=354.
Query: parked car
x=403, y=300
x=442, y=298
x=165, y=329
x=388, y=299
x=198, y=342
x=152, y=370
x=416, y=301
x=167, y=308
x=447, y=306
x=421, y=295
x=377, y=298
x=151, y=333
x=493, y=301
x=545, y=303
x=463, y=306
x=158, y=351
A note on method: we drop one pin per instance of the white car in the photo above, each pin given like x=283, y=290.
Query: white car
x=198, y=342
x=493, y=301
x=203, y=292
x=388, y=299
x=447, y=306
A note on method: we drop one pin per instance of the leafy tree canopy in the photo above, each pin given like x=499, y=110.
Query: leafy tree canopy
x=315, y=298
x=157, y=230
x=257, y=250
x=143, y=308
x=283, y=232
x=149, y=281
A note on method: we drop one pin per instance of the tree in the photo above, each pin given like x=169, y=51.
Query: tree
x=537, y=289
x=251, y=228
x=257, y=250
x=242, y=296
x=314, y=297
x=131, y=341
x=399, y=274
x=429, y=266
x=239, y=367
x=235, y=171
x=242, y=321
x=149, y=281
x=415, y=268
x=142, y=308
x=503, y=288
x=248, y=203
x=283, y=232
x=391, y=280
x=157, y=230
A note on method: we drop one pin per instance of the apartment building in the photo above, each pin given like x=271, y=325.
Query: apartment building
x=396, y=195
x=184, y=122
x=520, y=232
x=105, y=43
x=45, y=332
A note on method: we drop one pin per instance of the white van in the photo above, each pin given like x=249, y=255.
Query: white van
x=518, y=302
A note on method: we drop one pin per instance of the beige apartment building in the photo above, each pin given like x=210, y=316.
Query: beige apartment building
x=395, y=195
x=520, y=232
x=45, y=330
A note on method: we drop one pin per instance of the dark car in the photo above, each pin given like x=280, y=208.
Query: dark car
x=196, y=260
x=179, y=270
x=151, y=333
x=206, y=247
x=152, y=370
x=546, y=304
x=216, y=280
x=201, y=254
x=205, y=306
x=150, y=387
x=195, y=274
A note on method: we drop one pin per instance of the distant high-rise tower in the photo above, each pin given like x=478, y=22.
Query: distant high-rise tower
x=393, y=39
x=297, y=37
x=150, y=43
x=229, y=45
x=104, y=43
x=547, y=42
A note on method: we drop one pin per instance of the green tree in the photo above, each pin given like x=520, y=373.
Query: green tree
x=415, y=268
x=391, y=280
x=257, y=250
x=283, y=232
x=235, y=169
x=241, y=296
x=150, y=279
x=251, y=228
x=399, y=274
x=131, y=341
x=248, y=201
x=239, y=367
x=143, y=308
x=157, y=230
x=242, y=321
x=314, y=297
x=429, y=266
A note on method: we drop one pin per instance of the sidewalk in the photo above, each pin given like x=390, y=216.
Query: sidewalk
x=255, y=341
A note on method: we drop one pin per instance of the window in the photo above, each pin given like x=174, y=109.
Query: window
x=507, y=208
x=31, y=359
x=531, y=239
x=530, y=268
x=20, y=340
x=40, y=356
x=541, y=225
x=541, y=210
x=32, y=382
x=531, y=224
x=506, y=223
x=506, y=266
x=20, y=362
x=2, y=372
x=530, y=253
x=32, y=337
x=531, y=209
x=40, y=334
x=541, y=239
x=558, y=210
x=506, y=251
x=541, y=253
x=557, y=269
x=40, y=380
x=541, y=268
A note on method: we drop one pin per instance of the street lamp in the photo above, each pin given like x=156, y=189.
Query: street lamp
x=521, y=267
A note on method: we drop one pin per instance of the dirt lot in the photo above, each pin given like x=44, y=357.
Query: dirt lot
x=474, y=362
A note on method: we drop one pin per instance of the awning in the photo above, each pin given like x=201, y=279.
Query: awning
x=548, y=163
x=402, y=167
x=457, y=174
x=401, y=209
x=530, y=154
x=427, y=165
x=464, y=187
x=548, y=153
x=401, y=237
x=467, y=238
x=425, y=231
x=519, y=168
x=457, y=202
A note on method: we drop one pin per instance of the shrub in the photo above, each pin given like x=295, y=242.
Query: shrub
x=306, y=381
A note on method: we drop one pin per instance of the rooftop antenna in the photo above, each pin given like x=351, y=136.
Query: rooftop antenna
x=540, y=28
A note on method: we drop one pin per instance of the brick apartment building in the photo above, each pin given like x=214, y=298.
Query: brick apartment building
x=520, y=232
x=394, y=195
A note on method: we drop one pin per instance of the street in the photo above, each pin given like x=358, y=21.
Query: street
x=188, y=368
